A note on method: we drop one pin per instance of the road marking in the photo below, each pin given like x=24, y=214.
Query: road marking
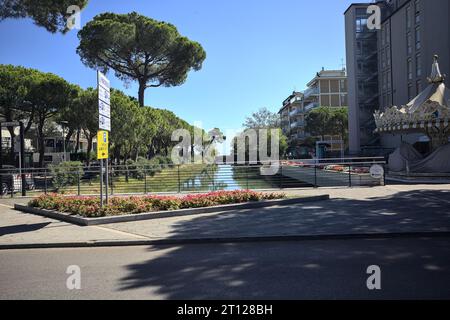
x=120, y=232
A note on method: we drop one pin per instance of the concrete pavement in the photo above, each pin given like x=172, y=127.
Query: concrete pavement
x=379, y=210
x=410, y=269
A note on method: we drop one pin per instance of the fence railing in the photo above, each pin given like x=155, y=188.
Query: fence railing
x=190, y=178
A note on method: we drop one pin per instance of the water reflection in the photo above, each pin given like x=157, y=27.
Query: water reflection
x=227, y=177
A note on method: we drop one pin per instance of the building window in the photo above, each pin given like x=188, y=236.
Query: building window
x=409, y=44
x=361, y=25
x=418, y=66
x=388, y=33
x=344, y=101
x=343, y=87
x=389, y=81
x=388, y=56
x=417, y=15
x=418, y=39
x=408, y=17
x=410, y=92
x=418, y=86
x=410, y=69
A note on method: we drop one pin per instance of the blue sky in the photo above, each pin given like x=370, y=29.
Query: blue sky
x=259, y=51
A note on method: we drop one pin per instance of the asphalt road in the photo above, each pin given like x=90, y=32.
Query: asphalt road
x=410, y=269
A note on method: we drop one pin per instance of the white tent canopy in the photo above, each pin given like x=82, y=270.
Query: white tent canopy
x=427, y=113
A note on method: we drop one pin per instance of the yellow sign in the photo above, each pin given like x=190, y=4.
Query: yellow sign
x=102, y=145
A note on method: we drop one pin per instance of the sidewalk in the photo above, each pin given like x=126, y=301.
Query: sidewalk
x=361, y=212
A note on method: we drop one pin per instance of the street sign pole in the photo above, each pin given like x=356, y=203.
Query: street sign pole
x=106, y=181
x=104, y=123
x=101, y=183
x=22, y=158
x=1, y=150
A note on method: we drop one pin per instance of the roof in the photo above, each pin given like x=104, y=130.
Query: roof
x=328, y=74
x=359, y=4
x=288, y=101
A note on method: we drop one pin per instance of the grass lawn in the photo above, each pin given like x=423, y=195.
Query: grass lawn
x=164, y=181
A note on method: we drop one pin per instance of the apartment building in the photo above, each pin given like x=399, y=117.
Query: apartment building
x=399, y=56
x=55, y=145
x=293, y=116
x=328, y=89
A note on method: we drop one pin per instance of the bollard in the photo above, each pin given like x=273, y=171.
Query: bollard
x=179, y=180
x=78, y=183
x=45, y=181
x=315, y=177
x=349, y=176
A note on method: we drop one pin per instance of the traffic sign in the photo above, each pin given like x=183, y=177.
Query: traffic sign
x=104, y=95
x=102, y=145
x=104, y=123
x=377, y=171
x=103, y=81
x=104, y=102
x=104, y=109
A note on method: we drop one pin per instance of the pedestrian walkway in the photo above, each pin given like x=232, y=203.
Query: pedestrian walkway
x=360, y=211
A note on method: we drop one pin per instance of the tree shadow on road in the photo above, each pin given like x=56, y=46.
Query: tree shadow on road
x=412, y=268
x=403, y=212
x=22, y=228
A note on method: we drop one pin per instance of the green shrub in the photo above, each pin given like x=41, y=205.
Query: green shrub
x=66, y=173
x=143, y=167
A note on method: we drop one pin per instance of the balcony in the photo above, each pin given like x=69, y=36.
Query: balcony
x=295, y=112
x=314, y=91
x=311, y=106
x=292, y=101
x=298, y=136
x=297, y=124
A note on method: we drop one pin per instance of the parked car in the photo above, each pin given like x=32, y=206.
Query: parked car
x=11, y=181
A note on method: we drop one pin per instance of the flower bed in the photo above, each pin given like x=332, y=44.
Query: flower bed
x=89, y=207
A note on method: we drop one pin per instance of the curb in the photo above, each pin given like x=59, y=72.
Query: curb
x=164, y=242
x=165, y=214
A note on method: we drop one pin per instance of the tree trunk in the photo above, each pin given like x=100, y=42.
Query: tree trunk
x=150, y=151
x=77, y=146
x=41, y=143
x=12, y=154
x=117, y=154
x=67, y=140
x=88, y=153
x=142, y=94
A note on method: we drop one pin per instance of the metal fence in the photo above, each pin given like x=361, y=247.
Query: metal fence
x=190, y=178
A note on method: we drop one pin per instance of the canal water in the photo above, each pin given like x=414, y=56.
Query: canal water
x=227, y=177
